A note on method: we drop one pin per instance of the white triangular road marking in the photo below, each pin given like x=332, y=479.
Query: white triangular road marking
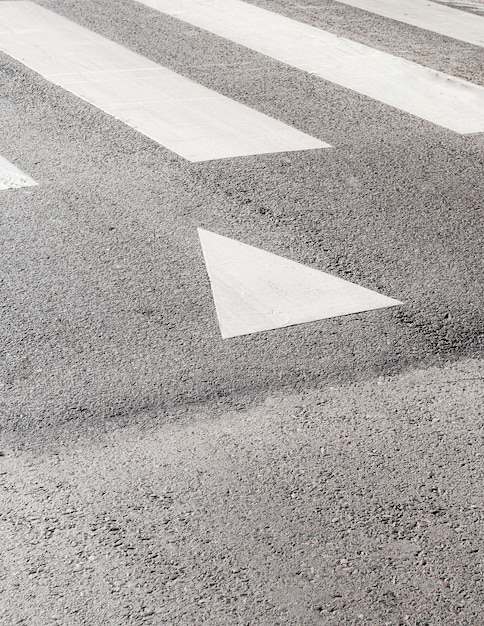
x=255, y=290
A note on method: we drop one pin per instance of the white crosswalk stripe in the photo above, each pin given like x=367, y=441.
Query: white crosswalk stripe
x=431, y=95
x=429, y=16
x=189, y=119
x=11, y=177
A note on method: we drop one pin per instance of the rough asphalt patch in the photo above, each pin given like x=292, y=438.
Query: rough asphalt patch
x=358, y=504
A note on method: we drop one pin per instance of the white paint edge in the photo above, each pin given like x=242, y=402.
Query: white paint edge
x=428, y=16
x=475, y=6
x=13, y=178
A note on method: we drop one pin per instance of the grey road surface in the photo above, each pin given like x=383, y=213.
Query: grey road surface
x=155, y=473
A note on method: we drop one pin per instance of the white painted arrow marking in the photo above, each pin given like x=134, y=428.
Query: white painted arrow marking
x=11, y=177
x=255, y=290
x=189, y=119
x=431, y=95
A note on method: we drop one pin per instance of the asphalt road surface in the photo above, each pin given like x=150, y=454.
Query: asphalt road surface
x=154, y=472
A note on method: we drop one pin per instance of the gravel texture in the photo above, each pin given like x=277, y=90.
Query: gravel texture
x=357, y=504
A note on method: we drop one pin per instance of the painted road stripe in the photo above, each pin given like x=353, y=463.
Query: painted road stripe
x=11, y=177
x=189, y=119
x=429, y=16
x=476, y=5
x=255, y=290
x=434, y=96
